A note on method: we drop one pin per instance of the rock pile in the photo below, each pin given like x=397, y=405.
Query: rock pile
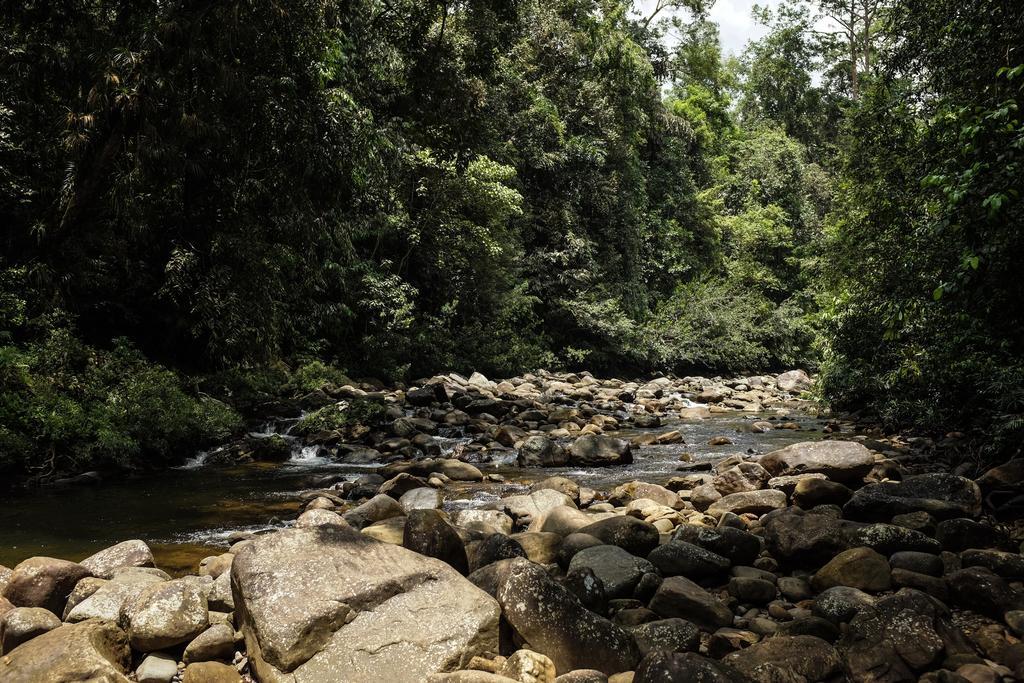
x=816, y=562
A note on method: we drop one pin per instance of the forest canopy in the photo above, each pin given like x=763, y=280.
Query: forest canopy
x=195, y=196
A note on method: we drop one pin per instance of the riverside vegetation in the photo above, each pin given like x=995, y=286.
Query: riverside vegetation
x=242, y=235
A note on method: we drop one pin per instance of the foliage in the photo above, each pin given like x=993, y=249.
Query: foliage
x=67, y=406
x=340, y=416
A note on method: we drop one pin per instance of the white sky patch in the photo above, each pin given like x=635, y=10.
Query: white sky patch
x=736, y=24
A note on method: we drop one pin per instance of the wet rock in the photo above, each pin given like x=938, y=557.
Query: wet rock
x=842, y=461
x=684, y=667
x=983, y=591
x=667, y=635
x=632, y=535
x=939, y=494
x=751, y=590
x=540, y=451
x=592, y=450
x=133, y=553
x=809, y=657
x=400, y=484
x=429, y=533
x=1007, y=565
x=752, y=502
x=803, y=539
x=811, y=492
x=794, y=588
x=840, y=604
x=43, y=582
x=618, y=571
x=961, y=533
x=902, y=633
x=682, y=558
x=922, y=563
x=861, y=568
x=90, y=651
x=889, y=538
x=329, y=603
x=554, y=622
x=738, y=546
x=679, y=597
x=591, y=676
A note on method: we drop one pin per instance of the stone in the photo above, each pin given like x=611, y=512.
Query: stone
x=681, y=558
x=747, y=589
x=749, y=502
x=922, y=563
x=156, y=668
x=424, y=498
x=794, y=588
x=560, y=484
x=165, y=614
x=840, y=604
x=861, y=568
x=540, y=451
x=319, y=517
x=527, y=666
x=133, y=553
x=331, y=604
x=794, y=381
x=635, y=490
x=939, y=494
x=594, y=676
x=799, y=538
x=22, y=624
x=525, y=508
x=738, y=546
x=619, y=571
x=562, y=520
x=540, y=546
x=553, y=622
x=105, y=602
x=492, y=548
x=632, y=535
x=387, y=530
x=216, y=642
x=810, y=658
x=210, y=672
x=429, y=533
x=961, y=533
x=684, y=667
x=95, y=651
x=703, y=496
x=378, y=508
x=592, y=450
x=744, y=476
x=983, y=591
x=1007, y=565
x=888, y=538
x=908, y=631
x=43, y=582
x=494, y=520
x=677, y=596
x=812, y=492
x=842, y=461
x=667, y=635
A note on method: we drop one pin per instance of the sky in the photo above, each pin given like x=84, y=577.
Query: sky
x=735, y=23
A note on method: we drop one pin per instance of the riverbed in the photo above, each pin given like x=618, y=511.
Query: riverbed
x=189, y=512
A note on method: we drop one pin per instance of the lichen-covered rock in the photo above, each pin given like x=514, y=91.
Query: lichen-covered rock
x=24, y=623
x=94, y=651
x=165, y=614
x=331, y=604
x=939, y=494
x=134, y=553
x=43, y=582
x=812, y=658
x=551, y=619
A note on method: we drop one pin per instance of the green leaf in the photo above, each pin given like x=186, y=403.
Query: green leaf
x=937, y=293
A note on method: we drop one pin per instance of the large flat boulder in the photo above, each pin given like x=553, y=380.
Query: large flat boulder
x=596, y=450
x=329, y=603
x=94, y=651
x=842, y=461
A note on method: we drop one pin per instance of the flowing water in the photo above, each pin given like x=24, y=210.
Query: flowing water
x=188, y=513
